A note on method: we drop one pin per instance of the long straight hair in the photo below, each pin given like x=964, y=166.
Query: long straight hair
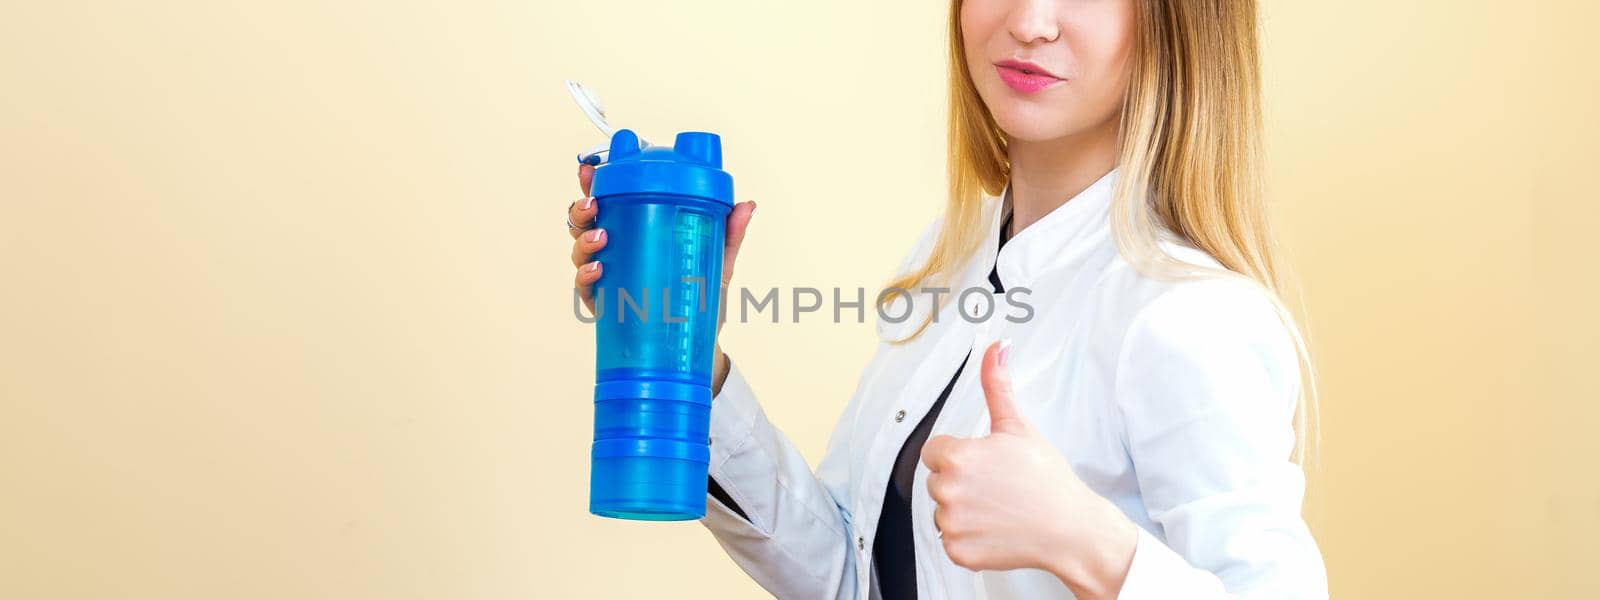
x=1188, y=159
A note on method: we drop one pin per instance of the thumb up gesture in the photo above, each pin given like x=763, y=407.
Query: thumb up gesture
x=1009, y=500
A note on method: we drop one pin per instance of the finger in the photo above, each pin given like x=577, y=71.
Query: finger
x=582, y=215
x=738, y=223
x=1003, y=413
x=937, y=451
x=936, y=483
x=586, y=178
x=584, y=281
x=586, y=245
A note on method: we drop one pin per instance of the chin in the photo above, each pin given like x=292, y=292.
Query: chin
x=1029, y=122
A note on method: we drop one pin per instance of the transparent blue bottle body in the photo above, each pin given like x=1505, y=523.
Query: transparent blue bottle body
x=663, y=271
x=657, y=307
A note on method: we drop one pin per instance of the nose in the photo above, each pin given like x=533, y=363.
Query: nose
x=1033, y=21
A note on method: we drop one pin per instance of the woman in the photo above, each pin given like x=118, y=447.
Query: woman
x=1133, y=435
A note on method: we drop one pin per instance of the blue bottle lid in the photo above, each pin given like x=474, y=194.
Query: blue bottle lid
x=691, y=167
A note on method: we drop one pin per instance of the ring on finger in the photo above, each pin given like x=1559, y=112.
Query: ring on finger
x=570, y=225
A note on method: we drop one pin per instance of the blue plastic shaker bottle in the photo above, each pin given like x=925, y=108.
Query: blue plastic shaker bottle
x=664, y=211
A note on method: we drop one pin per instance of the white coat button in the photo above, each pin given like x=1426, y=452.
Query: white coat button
x=861, y=543
x=899, y=416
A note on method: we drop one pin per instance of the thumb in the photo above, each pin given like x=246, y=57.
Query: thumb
x=738, y=223
x=1003, y=414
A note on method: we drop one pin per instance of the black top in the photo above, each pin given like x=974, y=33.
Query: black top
x=892, y=551
x=893, y=554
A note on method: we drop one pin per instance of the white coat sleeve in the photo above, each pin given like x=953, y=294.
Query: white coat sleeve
x=796, y=542
x=1207, y=383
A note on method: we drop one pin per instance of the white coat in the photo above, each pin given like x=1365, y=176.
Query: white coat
x=1172, y=399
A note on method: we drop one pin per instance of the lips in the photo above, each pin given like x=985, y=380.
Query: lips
x=1025, y=77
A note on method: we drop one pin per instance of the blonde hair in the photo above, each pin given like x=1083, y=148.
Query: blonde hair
x=1189, y=154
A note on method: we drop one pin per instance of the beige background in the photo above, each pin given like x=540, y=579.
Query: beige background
x=285, y=308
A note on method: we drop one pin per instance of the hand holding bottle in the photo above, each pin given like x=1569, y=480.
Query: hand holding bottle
x=587, y=240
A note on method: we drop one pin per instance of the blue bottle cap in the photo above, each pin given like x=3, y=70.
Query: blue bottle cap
x=691, y=167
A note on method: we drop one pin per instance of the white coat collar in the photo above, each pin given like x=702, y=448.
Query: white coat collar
x=1060, y=238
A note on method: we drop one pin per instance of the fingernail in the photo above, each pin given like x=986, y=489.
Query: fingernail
x=1005, y=350
x=588, y=202
x=592, y=266
x=595, y=237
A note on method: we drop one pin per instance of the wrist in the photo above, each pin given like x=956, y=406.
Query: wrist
x=719, y=369
x=1094, y=561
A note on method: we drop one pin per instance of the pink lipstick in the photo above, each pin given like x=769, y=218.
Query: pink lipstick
x=1024, y=76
